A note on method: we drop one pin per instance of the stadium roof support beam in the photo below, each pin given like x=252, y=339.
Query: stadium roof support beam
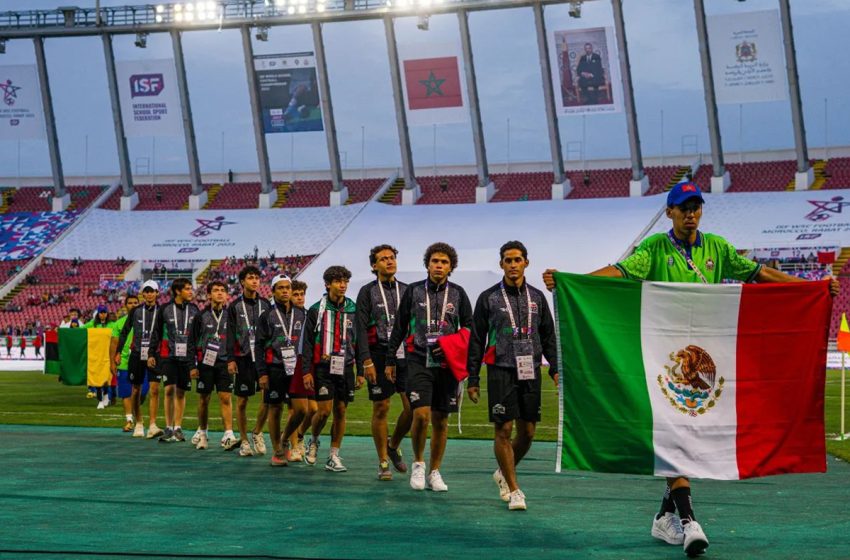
x=186, y=110
x=117, y=121
x=60, y=197
x=805, y=176
x=639, y=184
x=411, y=189
x=339, y=193
x=549, y=96
x=485, y=188
x=719, y=176
x=256, y=114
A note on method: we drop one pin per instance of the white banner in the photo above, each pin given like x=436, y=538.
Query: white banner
x=150, y=102
x=21, y=115
x=747, y=57
x=432, y=83
x=204, y=234
x=586, y=71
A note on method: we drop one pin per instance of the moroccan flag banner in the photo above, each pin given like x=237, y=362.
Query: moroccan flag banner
x=432, y=83
x=709, y=381
x=84, y=356
x=51, y=352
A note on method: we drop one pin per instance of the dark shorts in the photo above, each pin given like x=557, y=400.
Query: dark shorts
x=278, y=385
x=384, y=388
x=334, y=387
x=436, y=388
x=177, y=373
x=216, y=376
x=139, y=372
x=296, y=385
x=246, y=377
x=509, y=399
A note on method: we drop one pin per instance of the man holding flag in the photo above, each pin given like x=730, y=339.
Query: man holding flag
x=685, y=254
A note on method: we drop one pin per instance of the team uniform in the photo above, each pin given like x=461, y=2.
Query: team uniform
x=171, y=343
x=377, y=305
x=125, y=387
x=329, y=349
x=278, y=346
x=138, y=328
x=512, y=331
x=428, y=311
x=242, y=317
x=209, y=351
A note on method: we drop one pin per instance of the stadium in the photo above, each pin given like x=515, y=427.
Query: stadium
x=189, y=140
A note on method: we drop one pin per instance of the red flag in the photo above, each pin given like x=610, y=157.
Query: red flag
x=433, y=83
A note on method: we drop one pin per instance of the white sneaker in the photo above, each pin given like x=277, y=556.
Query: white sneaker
x=139, y=430
x=202, y=441
x=154, y=431
x=504, y=490
x=695, y=540
x=417, y=476
x=259, y=444
x=435, y=482
x=312, y=451
x=196, y=437
x=103, y=403
x=335, y=464
x=245, y=449
x=668, y=528
x=517, y=500
x=229, y=443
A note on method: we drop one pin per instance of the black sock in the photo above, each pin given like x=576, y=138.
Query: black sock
x=667, y=504
x=682, y=499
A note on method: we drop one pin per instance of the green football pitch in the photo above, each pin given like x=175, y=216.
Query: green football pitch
x=74, y=486
x=34, y=399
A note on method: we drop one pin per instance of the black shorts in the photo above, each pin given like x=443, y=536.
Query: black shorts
x=334, y=387
x=138, y=369
x=278, y=385
x=177, y=373
x=216, y=376
x=384, y=388
x=246, y=377
x=436, y=388
x=509, y=398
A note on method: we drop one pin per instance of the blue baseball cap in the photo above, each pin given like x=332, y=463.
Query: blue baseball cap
x=682, y=192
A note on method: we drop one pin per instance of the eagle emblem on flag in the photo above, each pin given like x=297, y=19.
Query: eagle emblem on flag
x=690, y=383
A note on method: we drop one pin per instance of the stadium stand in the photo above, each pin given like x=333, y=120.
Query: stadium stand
x=837, y=172
x=25, y=235
x=235, y=196
x=38, y=199
x=600, y=183
x=534, y=185
x=447, y=189
x=154, y=197
x=227, y=271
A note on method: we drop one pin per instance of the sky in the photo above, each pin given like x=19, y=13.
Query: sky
x=666, y=75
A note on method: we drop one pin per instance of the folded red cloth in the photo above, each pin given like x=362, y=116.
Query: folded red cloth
x=456, y=350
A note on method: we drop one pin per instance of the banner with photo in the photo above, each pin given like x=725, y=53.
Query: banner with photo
x=289, y=92
x=747, y=57
x=21, y=114
x=432, y=84
x=150, y=102
x=586, y=71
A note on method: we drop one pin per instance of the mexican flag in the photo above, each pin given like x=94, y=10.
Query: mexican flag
x=708, y=381
x=84, y=356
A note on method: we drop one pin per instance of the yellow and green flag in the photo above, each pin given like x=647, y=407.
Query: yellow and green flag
x=84, y=356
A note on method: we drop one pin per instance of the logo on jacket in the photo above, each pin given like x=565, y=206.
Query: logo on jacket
x=690, y=383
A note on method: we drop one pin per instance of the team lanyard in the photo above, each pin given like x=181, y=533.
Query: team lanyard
x=217, y=319
x=327, y=344
x=684, y=254
x=153, y=320
x=428, y=307
x=185, y=318
x=288, y=335
x=248, y=319
x=515, y=330
x=384, y=297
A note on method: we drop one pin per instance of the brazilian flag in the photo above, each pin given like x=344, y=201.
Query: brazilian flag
x=81, y=356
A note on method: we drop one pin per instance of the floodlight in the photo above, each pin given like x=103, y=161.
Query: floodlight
x=290, y=10
x=320, y=7
x=160, y=8
x=158, y=18
x=302, y=9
